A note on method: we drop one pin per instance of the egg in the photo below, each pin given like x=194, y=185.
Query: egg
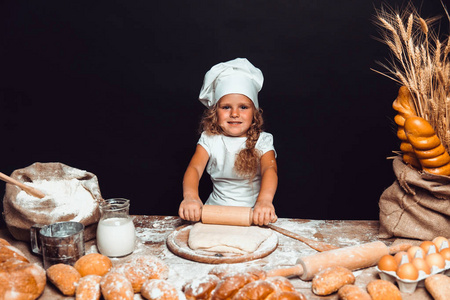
x=439, y=240
x=399, y=255
x=426, y=245
x=387, y=263
x=435, y=259
x=407, y=271
x=412, y=251
x=421, y=265
x=445, y=253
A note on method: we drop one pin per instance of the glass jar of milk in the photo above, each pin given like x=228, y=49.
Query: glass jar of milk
x=116, y=234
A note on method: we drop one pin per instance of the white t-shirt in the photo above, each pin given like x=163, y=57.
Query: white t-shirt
x=229, y=188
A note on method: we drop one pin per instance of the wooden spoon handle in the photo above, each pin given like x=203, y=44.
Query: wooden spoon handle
x=30, y=190
x=316, y=245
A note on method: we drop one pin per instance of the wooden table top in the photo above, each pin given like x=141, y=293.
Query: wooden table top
x=152, y=232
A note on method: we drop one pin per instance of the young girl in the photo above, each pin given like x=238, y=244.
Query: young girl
x=237, y=154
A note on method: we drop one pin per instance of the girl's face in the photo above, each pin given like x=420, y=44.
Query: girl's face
x=235, y=114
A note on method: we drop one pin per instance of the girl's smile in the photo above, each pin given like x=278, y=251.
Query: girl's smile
x=235, y=114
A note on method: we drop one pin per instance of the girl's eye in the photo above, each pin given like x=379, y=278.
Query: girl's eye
x=225, y=107
x=244, y=107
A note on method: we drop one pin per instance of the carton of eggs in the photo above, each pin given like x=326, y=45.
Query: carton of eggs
x=409, y=268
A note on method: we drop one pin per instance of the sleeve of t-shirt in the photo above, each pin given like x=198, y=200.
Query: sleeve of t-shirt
x=205, y=142
x=265, y=143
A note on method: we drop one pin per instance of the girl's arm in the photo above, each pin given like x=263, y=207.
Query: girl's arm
x=190, y=207
x=264, y=211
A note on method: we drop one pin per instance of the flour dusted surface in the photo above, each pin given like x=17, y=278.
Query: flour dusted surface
x=63, y=198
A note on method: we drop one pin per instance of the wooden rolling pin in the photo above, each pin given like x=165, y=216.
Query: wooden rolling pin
x=353, y=258
x=243, y=216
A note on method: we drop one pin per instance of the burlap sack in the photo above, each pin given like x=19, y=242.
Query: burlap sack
x=19, y=219
x=416, y=205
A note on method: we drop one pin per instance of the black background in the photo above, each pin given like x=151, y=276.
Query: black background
x=111, y=88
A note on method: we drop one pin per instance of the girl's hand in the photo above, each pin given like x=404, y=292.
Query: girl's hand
x=263, y=213
x=190, y=210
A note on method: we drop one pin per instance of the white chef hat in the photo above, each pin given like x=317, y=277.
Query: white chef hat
x=236, y=76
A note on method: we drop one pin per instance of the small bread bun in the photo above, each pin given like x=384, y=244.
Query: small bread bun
x=21, y=280
x=159, y=289
x=142, y=268
x=438, y=286
x=88, y=288
x=353, y=292
x=64, y=277
x=93, y=264
x=331, y=279
x=115, y=286
x=230, y=285
x=201, y=288
x=260, y=290
x=383, y=290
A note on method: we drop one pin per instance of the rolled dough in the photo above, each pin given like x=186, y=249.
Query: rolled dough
x=226, y=238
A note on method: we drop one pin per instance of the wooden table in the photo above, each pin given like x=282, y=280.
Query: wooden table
x=152, y=232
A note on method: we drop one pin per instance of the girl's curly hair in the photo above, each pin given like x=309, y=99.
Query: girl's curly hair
x=248, y=159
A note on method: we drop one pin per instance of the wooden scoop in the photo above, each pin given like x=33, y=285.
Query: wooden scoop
x=28, y=189
x=242, y=216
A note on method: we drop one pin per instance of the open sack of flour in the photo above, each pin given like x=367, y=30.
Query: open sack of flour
x=71, y=195
x=416, y=205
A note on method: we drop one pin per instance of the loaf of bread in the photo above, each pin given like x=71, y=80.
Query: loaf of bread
x=438, y=286
x=331, y=279
x=353, y=292
x=405, y=108
x=383, y=290
x=237, y=285
x=64, y=277
x=159, y=289
x=93, y=264
x=141, y=269
x=21, y=280
x=427, y=146
x=115, y=286
x=88, y=288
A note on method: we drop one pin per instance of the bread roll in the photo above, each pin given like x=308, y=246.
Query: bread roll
x=142, y=268
x=405, y=108
x=291, y=296
x=159, y=289
x=4, y=242
x=331, y=279
x=282, y=283
x=115, y=286
x=21, y=280
x=201, y=288
x=64, y=277
x=427, y=146
x=88, y=288
x=93, y=264
x=438, y=286
x=353, y=292
x=383, y=290
x=257, y=290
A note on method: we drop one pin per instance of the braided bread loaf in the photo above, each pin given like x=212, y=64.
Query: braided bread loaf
x=405, y=108
x=427, y=146
x=248, y=284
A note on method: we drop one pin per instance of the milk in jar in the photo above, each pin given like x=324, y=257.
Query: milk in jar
x=116, y=234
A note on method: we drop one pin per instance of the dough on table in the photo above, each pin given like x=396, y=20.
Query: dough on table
x=227, y=238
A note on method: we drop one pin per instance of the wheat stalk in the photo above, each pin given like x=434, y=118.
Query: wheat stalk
x=421, y=62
